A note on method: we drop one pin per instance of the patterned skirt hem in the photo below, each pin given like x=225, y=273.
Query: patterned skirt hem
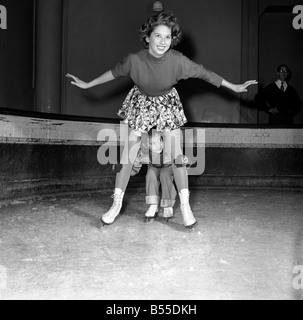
x=142, y=113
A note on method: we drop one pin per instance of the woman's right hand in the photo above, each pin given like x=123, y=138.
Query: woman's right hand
x=77, y=82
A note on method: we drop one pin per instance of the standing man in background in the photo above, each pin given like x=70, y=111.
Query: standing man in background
x=279, y=99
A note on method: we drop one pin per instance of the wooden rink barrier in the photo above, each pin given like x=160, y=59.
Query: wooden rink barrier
x=41, y=155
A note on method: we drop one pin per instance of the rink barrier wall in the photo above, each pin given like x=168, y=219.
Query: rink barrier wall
x=41, y=156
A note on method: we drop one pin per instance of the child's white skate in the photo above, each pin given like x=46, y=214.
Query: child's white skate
x=151, y=213
x=168, y=213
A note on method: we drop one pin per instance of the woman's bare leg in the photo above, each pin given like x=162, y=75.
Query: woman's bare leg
x=128, y=157
x=173, y=147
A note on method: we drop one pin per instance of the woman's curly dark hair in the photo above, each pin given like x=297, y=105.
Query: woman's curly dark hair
x=161, y=19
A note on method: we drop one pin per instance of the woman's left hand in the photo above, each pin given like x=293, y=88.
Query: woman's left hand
x=243, y=87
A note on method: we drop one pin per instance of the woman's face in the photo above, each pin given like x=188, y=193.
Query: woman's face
x=159, y=41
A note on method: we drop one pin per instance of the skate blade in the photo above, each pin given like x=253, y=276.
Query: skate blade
x=191, y=228
x=104, y=224
x=150, y=219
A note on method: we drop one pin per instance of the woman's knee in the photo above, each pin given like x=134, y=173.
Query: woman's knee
x=135, y=135
x=173, y=143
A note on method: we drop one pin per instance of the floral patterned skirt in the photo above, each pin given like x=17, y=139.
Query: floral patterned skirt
x=143, y=113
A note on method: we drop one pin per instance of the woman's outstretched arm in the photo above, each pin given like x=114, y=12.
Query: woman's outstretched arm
x=238, y=87
x=105, y=77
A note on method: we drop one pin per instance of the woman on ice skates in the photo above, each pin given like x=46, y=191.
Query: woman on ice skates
x=154, y=102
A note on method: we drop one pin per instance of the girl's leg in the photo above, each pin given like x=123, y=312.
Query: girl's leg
x=152, y=191
x=173, y=146
x=128, y=157
x=169, y=193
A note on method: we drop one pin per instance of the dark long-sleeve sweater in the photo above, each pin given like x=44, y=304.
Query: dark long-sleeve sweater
x=157, y=76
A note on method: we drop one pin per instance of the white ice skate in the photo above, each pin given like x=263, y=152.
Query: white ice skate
x=110, y=216
x=187, y=214
x=151, y=213
x=168, y=213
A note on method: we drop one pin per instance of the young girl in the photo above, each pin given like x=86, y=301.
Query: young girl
x=154, y=101
x=159, y=172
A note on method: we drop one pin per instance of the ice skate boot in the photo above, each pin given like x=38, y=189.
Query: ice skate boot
x=187, y=214
x=168, y=213
x=151, y=213
x=109, y=217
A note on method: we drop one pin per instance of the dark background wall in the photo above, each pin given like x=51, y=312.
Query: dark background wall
x=280, y=43
x=221, y=34
x=17, y=56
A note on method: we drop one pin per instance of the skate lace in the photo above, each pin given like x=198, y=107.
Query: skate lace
x=116, y=198
x=185, y=201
